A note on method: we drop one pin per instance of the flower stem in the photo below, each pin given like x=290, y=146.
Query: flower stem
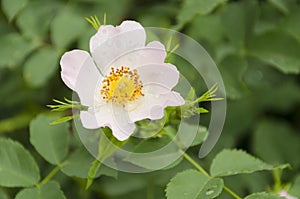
x=197, y=166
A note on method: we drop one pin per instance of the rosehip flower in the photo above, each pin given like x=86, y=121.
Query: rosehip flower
x=123, y=80
x=286, y=195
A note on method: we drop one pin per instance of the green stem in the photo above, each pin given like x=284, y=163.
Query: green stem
x=194, y=163
x=197, y=166
x=150, y=191
x=231, y=192
x=16, y=122
x=277, y=180
x=51, y=174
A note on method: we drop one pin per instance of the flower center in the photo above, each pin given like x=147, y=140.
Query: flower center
x=122, y=86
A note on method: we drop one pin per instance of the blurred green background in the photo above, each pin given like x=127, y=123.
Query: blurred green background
x=255, y=44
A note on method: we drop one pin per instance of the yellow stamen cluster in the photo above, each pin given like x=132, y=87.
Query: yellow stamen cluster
x=121, y=86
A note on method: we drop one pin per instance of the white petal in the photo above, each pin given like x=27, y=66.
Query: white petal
x=89, y=121
x=148, y=107
x=152, y=106
x=120, y=123
x=110, y=42
x=87, y=81
x=79, y=73
x=114, y=117
x=153, y=53
x=164, y=76
x=71, y=63
x=122, y=132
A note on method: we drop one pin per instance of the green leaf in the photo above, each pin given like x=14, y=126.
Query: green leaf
x=212, y=188
x=295, y=188
x=146, y=153
x=283, y=54
x=17, y=167
x=119, y=188
x=49, y=190
x=191, y=95
x=263, y=196
x=66, y=27
x=50, y=141
x=232, y=162
x=34, y=20
x=188, y=133
x=238, y=21
x=3, y=195
x=232, y=69
x=174, y=164
x=192, y=7
x=290, y=24
x=40, y=67
x=192, y=184
x=211, y=29
x=201, y=136
x=281, y=5
x=78, y=165
x=14, y=48
x=12, y=7
x=281, y=148
x=83, y=41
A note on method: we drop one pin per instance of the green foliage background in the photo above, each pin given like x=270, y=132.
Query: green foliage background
x=255, y=44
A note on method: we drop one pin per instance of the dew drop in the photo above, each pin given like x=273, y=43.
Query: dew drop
x=209, y=192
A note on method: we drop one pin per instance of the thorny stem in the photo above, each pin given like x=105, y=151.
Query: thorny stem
x=197, y=166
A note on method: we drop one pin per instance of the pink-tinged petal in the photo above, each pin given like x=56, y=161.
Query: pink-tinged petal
x=164, y=76
x=71, y=63
x=110, y=42
x=153, y=53
x=152, y=106
x=130, y=25
x=114, y=117
x=104, y=33
x=158, y=52
x=286, y=195
x=173, y=99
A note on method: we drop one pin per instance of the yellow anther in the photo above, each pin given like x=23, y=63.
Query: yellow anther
x=122, y=86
